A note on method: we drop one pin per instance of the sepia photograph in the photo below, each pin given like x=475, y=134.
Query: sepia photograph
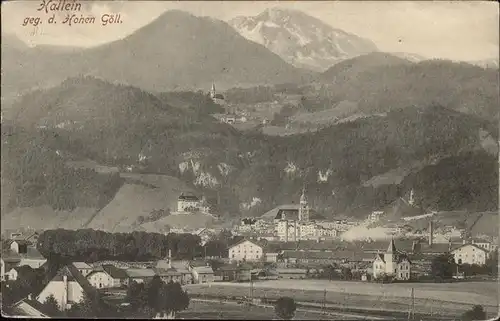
x=250, y=160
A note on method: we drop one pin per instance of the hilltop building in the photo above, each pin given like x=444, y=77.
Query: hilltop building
x=392, y=263
x=191, y=203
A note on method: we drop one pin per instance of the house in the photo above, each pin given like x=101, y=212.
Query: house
x=12, y=274
x=32, y=257
x=245, y=250
x=67, y=287
x=33, y=238
x=488, y=246
x=205, y=234
x=83, y=268
x=188, y=203
x=392, y=263
x=201, y=274
x=28, y=308
x=139, y=275
x=108, y=276
x=271, y=256
x=169, y=275
x=227, y=273
x=27, y=254
x=8, y=260
x=470, y=254
x=19, y=246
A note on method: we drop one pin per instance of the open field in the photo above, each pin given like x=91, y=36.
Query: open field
x=430, y=298
x=215, y=310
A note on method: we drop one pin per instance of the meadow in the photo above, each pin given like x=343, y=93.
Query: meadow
x=446, y=299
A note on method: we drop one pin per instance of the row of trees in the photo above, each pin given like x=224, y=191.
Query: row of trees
x=93, y=245
x=157, y=298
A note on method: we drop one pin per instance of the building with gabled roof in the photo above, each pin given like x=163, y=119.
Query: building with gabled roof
x=470, y=254
x=67, y=286
x=83, y=268
x=392, y=263
x=107, y=276
x=28, y=308
x=246, y=250
x=139, y=275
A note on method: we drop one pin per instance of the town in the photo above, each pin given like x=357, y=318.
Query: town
x=250, y=160
x=286, y=243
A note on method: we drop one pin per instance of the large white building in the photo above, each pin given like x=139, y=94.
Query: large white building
x=470, y=254
x=191, y=203
x=246, y=250
x=293, y=224
x=392, y=263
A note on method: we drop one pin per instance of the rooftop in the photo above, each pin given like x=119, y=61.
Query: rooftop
x=81, y=265
x=114, y=272
x=203, y=269
x=139, y=273
x=188, y=197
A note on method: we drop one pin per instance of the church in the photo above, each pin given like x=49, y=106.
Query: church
x=293, y=223
x=216, y=97
x=392, y=263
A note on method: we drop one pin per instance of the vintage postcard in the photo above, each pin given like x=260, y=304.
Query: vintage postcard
x=262, y=160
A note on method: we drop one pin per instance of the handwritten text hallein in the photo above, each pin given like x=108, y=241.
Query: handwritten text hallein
x=61, y=5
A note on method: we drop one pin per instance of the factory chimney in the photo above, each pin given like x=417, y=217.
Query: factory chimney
x=431, y=232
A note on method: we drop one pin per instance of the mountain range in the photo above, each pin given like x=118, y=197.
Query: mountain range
x=211, y=51
x=300, y=39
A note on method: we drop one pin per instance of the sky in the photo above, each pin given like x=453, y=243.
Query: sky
x=457, y=30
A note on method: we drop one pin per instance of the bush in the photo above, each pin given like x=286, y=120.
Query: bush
x=285, y=308
x=476, y=313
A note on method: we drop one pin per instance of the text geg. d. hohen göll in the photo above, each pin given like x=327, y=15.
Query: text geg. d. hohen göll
x=74, y=15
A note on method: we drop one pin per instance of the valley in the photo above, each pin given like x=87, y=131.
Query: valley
x=360, y=133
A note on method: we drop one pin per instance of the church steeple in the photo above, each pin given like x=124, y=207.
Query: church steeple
x=392, y=248
x=304, y=207
x=303, y=198
x=212, y=91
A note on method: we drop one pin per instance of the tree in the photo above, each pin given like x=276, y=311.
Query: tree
x=346, y=273
x=492, y=264
x=51, y=305
x=443, y=266
x=476, y=313
x=285, y=308
x=172, y=299
x=89, y=306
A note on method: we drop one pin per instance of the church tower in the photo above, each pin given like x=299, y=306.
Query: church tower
x=390, y=259
x=212, y=91
x=304, y=207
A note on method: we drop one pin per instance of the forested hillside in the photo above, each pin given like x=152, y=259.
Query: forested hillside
x=124, y=126
x=383, y=86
